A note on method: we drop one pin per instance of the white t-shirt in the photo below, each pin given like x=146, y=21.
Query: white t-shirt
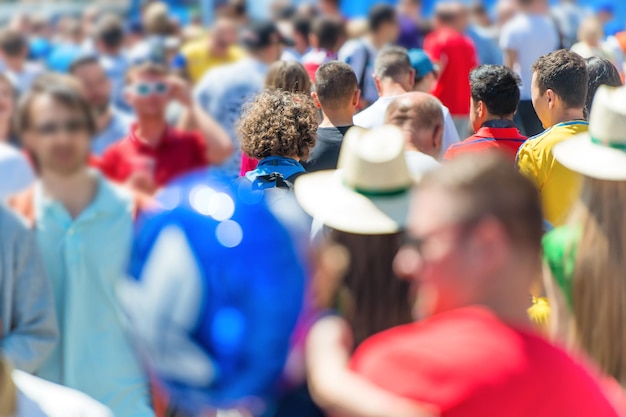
x=15, y=171
x=531, y=36
x=374, y=116
x=420, y=164
x=39, y=398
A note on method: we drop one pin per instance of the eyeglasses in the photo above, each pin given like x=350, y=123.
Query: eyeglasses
x=148, y=89
x=70, y=127
x=419, y=243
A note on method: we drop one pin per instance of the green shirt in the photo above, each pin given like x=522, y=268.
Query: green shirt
x=560, y=247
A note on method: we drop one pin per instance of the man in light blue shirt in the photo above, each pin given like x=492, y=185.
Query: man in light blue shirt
x=84, y=227
x=111, y=124
x=223, y=91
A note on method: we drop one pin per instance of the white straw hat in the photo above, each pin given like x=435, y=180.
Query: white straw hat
x=601, y=152
x=370, y=191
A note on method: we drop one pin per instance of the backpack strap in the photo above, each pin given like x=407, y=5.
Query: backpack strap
x=366, y=62
x=23, y=204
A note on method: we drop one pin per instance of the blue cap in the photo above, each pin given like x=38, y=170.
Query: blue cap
x=215, y=291
x=421, y=63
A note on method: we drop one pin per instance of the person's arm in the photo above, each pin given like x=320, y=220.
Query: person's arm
x=218, y=144
x=510, y=58
x=559, y=312
x=33, y=333
x=340, y=391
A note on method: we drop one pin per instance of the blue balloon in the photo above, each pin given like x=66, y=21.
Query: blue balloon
x=215, y=291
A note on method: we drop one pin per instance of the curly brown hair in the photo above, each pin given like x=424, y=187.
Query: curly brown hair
x=279, y=123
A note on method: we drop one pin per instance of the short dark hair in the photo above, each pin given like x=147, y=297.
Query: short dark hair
x=83, y=61
x=328, y=31
x=498, y=87
x=64, y=90
x=335, y=84
x=302, y=25
x=380, y=14
x=279, y=123
x=601, y=72
x=565, y=73
x=12, y=42
x=110, y=31
x=392, y=62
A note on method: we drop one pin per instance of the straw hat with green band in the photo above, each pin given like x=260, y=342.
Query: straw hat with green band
x=370, y=192
x=601, y=152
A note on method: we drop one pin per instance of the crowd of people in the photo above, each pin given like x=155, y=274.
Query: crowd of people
x=311, y=215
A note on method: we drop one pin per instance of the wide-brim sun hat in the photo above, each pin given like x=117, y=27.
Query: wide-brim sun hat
x=370, y=192
x=601, y=152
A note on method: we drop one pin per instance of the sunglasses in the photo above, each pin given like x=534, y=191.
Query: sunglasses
x=148, y=89
x=70, y=127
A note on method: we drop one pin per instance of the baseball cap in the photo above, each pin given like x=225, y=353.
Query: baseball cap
x=261, y=34
x=421, y=63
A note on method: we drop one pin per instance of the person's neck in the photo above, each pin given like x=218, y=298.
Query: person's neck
x=567, y=115
x=14, y=64
x=75, y=191
x=390, y=88
x=216, y=51
x=302, y=48
x=375, y=40
x=150, y=130
x=103, y=120
x=261, y=57
x=339, y=118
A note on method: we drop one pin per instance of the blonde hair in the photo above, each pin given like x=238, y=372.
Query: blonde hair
x=590, y=30
x=599, y=278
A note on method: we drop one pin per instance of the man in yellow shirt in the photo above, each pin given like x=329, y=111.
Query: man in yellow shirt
x=559, y=89
x=220, y=48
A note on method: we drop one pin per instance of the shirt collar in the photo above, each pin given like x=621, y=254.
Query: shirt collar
x=105, y=201
x=499, y=124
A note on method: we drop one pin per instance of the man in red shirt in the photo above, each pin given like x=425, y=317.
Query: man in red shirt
x=455, y=55
x=154, y=153
x=494, y=98
x=475, y=237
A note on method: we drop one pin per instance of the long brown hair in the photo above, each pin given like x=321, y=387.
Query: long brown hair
x=599, y=278
x=376, y=299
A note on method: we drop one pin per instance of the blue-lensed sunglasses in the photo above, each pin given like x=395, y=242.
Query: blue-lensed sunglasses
x=148, y=89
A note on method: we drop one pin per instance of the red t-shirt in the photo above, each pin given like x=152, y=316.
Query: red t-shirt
x=177, y=153
x=506, y=140
x=456, y=53
x=470, y=364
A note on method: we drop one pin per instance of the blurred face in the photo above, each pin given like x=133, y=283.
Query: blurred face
x=58, y=137
x=148, y=94
x=7, y=101
x=390, y=31
x=96, y=86
x=224, y=34
x=438, y=261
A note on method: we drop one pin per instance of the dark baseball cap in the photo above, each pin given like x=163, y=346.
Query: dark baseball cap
x=261, y=34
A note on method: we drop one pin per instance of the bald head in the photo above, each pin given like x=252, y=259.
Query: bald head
x=420, y=117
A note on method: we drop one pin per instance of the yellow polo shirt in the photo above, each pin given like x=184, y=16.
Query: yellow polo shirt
x=559, y=187
x=198, y=60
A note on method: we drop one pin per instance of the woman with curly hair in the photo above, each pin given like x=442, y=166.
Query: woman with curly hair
x=279, y=129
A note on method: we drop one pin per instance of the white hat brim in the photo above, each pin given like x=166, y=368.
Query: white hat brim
x=581, y=155
x=324, y=196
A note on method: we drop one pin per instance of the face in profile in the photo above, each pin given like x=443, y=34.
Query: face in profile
x=58, y=136
x=540, y=102
x=434, y=257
